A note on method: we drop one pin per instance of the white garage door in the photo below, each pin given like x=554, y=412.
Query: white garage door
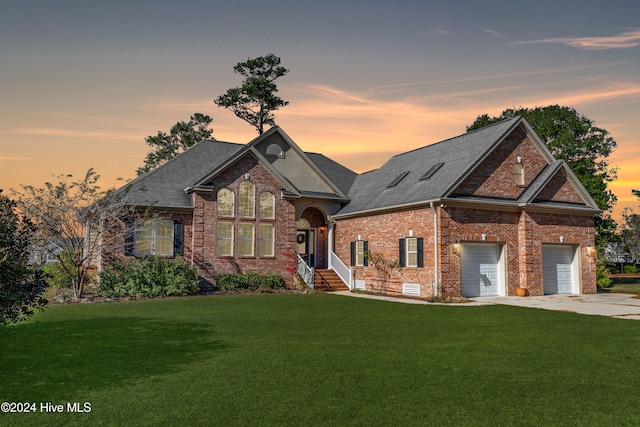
x=480, y=269
x=558, y=272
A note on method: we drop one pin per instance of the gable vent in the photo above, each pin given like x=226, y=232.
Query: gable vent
x=275, y=150
x=398, y=179
x=433, y=169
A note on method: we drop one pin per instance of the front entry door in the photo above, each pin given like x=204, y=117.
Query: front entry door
x=306, y=245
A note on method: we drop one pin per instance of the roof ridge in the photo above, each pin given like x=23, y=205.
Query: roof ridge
x=457, y=136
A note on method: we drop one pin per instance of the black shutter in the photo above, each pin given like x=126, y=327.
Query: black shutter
x=177, y=238
x=366, y=248
x=401, y=253
x=129, y=237
x=353, y=253
x=420, y=252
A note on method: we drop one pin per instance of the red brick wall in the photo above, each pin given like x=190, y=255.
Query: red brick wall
x=558, y=189
x=205, y=217
x=521, y=234
x=547, y=228
x=494, y=177
x=383, y=233
x=460, y=225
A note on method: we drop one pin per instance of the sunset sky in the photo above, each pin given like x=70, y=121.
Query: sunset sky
x=82, y=83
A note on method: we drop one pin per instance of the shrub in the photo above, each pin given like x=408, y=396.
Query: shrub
x=630, y=269
x=58, y=276
x=250, y=281
x=148, y=277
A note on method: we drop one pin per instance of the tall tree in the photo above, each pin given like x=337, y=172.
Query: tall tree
x=181, y=136
x=574, y=138
x=21, y=284
x=79, y=217
x=255, y=101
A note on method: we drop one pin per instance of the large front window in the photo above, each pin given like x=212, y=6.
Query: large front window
x=265, y=240
x=154, y=238
x=225, y=202
x=267, y=203
x=245, y=239
x=224, y=239
x=247, y=200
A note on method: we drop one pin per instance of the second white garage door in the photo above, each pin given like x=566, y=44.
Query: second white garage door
x=557, y=261
x=480, y=269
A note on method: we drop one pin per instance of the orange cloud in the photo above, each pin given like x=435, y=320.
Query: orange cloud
x=73, y=133
x=625, y=40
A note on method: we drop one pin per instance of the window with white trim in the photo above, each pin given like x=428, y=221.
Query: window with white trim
x=265, y=240
x=245, y=239
x=224, y=239
x=412, y=251
x=247, y=204
x=225, y=202
x=360, y=252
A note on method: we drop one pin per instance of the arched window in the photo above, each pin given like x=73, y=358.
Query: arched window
x=247, y=200
x=267, y=202
x=225, y=202
x=275, y=150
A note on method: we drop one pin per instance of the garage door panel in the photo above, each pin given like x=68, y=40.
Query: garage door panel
x=557, y=269
x=479, y=269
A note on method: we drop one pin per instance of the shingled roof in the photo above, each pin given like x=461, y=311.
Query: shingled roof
x=431, y=173
x=424, y=175
x=165, y=186
x=456, y=156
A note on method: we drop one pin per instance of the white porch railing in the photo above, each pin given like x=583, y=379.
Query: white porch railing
x=305, y=271
x=341, y=270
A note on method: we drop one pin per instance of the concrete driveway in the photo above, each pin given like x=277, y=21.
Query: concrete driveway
x=621, y=306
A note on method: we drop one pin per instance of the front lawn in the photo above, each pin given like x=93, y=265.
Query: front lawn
x=320, y=360
x=626, y=285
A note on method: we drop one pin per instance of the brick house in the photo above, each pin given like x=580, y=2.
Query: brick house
x=479, y=214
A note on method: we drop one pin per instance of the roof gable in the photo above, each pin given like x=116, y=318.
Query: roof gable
x=557, y=184
x=282, y=157
x=493, y=173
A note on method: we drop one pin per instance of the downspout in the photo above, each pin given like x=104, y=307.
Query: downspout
x=435, y=249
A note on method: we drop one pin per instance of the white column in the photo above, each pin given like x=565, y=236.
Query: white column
x=330, y=243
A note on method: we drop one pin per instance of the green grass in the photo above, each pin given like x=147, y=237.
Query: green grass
x=626, y=285
x=320, y=360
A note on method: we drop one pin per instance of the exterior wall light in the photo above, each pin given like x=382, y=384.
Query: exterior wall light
x=455, y=248
x=590, y=251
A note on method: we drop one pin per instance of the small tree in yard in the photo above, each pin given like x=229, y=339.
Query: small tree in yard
x=384, y=267
x=80, y=217
x=21, y=284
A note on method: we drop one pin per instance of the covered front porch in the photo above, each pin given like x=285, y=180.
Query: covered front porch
x=314, y=252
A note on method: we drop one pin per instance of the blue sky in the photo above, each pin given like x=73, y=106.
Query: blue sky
x=83, y=82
